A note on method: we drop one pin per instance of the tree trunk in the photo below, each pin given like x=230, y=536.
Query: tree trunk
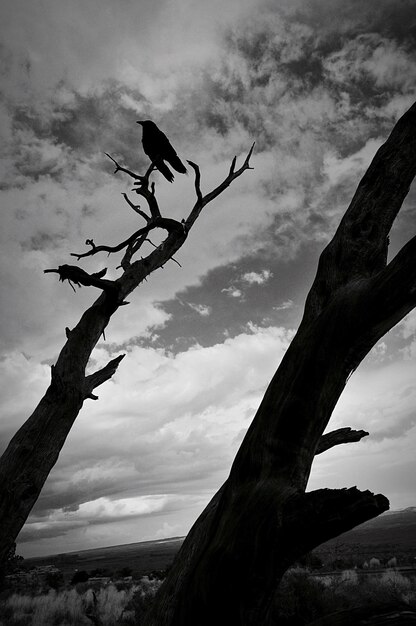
x=34, y=449
x=262, y=519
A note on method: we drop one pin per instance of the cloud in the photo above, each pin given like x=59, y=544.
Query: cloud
x=149, y=44
x=237, y=289
x=97, y=512
x=287, y=304
x=257, y=278
x=201, y=309
x=372, y=57
x=380, y=398
x=161, y=415
x=398, y=429
x=168, y=530
x=232, y=291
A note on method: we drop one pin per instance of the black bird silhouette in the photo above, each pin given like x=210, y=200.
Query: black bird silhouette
x=159, y=149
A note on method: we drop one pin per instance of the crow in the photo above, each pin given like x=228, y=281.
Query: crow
x=159, y=149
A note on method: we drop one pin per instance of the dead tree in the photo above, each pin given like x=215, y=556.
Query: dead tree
x=262, y=519
x=34, y=450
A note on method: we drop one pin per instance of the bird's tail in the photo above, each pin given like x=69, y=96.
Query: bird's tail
x=177, y=164
x=163, y=169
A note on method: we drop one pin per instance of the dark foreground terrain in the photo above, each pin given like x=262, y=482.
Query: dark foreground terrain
x=390, y=535
x=141, y=558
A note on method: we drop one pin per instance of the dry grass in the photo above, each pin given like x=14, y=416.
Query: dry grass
x=72, y=607
x=301, y=598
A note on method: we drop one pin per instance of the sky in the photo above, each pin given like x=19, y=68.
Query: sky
x=318, y=85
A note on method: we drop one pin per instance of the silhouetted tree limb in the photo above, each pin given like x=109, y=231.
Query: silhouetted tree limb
x=101, y=376
x=77, y=275
x=310, y=518
x=134, y=241
x=138, y=177
x=262, y=519
x=204, y=200
x=159, y=222
x=136, y=207
x=337, y=437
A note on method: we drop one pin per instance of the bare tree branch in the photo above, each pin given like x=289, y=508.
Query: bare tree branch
x=149, y=195
x=197, y=180
x=317, y=516
x=74, y=274
x=204, y=200
x=119, y=168
x=101, y=376
x=165, y=223
x=142, y=189
x=131, y=249
x=111, y=249
x=136, y=207
x=337, y=437
x=359, y=248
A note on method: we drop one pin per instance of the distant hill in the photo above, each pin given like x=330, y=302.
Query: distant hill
x=390, y=534
x=142, y=558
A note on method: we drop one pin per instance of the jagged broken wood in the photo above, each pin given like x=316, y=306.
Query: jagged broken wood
x=34, y=449
x=101, y=376
x=77, y=275
x=336, y=437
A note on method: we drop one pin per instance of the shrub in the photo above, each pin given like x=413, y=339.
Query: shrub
x=300, y=599
x=141, y=600
x=67, y=608
x=79, y=577
x=125, y=571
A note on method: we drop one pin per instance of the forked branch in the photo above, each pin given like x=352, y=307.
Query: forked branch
x=155, y=220
x=136, y=207
x=204, y=200
x=101, y=376
x=143, y=186
x=139, y=236
x=119, y=168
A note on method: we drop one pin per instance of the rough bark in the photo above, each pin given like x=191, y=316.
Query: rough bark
x=262, y=519
x=34, y=450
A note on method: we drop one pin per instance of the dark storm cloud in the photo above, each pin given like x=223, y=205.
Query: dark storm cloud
x=29, y=533
x=43, y=240
x=223, y=290
x=282, y=58
x=337, y=18
x=70, y=496
x=47, y=139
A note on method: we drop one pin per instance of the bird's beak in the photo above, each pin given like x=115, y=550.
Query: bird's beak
x=139, y=122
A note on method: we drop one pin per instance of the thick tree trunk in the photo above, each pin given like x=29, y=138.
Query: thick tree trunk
x=262, y=519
